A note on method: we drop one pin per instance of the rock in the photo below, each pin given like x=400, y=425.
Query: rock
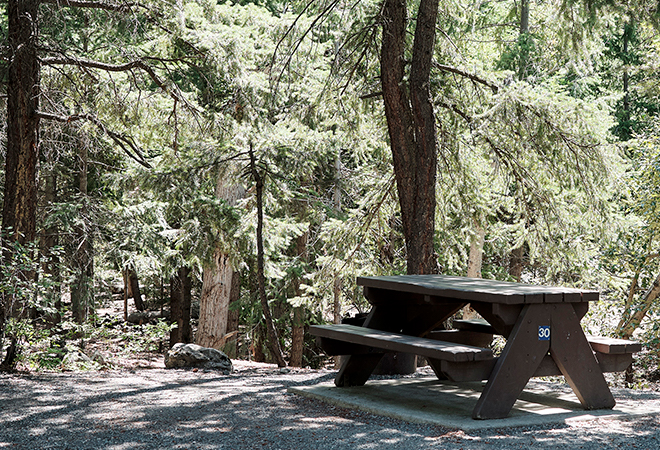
x=76, y=361
x=193, y=355
x=141, y=317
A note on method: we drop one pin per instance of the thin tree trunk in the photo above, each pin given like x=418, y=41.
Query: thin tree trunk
x=626, y=331
x=233, y=316
x=49, y=241
x=475, y=260
x=133, y=284
x=82, y=287
x=273, y=340
x=180, y=299
x=517, y=262
x=298, y=325
x=412, y=126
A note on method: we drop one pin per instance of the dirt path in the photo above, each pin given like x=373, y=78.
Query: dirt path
x=248, y=409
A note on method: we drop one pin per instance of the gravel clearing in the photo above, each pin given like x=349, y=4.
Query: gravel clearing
x=250, y=409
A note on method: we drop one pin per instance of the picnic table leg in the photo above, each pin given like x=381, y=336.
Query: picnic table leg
x=356, y=369
x=519, y=360
x=573, y=355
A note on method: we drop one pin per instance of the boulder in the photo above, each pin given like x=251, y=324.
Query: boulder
x=193, y=355
x=140, y=317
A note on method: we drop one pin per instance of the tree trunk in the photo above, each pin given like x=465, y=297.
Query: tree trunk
x=474, y=264
x=49, y=241
x=475, y=259
x=298, y=325
x=233, y=316
x=220, y=282
x=273, y=341
x=411, y=125
x=133, y=285
x=180, y=299
x=627, y=328
x=20, y=191
x=82, y=287
x=517, y=262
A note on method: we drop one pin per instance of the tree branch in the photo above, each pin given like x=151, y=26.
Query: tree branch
x=123, y=141
x=495, y=88
x=107, y=6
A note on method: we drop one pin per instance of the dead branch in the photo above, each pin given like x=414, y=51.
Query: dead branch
x=125, y=142
x=495, y=88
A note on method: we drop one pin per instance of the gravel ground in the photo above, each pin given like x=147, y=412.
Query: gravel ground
x=250, y=409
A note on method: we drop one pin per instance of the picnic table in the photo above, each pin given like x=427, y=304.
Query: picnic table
x=541, y=325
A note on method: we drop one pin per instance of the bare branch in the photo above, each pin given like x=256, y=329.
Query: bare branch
x=123, y=141
x=107, y=6
x=495, y=88
x=138, y=64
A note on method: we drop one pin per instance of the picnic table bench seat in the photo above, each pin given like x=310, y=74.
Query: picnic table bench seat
x=370, y=339
x=599, y=344
x=454, y=360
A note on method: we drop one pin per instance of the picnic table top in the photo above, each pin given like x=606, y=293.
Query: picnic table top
x=478, y=289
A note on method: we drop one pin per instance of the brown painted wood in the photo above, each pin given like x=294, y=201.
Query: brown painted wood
x=475, y=325
x=395, y=342
x=476, y=339
x=571, y=351
x=356, y=369
x=477, y=289
x=612, y=345
x=334, y=347
x=481, y=370
x=518, y=362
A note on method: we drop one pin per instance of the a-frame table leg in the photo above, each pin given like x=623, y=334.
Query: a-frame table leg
x=519, y=360
x=573, y=355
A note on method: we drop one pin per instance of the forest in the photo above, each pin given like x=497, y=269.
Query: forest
x=223, y=171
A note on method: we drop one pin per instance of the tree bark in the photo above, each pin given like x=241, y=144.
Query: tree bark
x=475, y=260
x=411, y=125
x=82, y=287
x=273, y=341
x=298, y=325
x=49, y=241
x=220, y=282
x=626, y=329
x=20, y=191
x=517, y=262
x=133, y=284
x=180, y=299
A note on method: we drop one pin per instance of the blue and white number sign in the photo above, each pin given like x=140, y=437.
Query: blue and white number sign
x=544, y=333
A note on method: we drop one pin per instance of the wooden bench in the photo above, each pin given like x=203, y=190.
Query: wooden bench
x=598, y=344
x=343, y=339
x=457, y=361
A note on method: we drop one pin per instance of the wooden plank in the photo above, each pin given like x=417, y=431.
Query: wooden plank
x=461, y=337
x=571, y=351
x=401, y=343
x=481, y=370
x=476, y=289
x=611, y=345
x=518, y=362
x=475, y=325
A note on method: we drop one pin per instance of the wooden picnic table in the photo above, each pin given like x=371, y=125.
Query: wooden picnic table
x=541, y=325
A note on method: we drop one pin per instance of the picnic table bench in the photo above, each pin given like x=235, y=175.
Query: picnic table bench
x=541, y=325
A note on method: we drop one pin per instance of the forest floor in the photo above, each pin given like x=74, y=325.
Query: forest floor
x=156, y=408
x=130, y=401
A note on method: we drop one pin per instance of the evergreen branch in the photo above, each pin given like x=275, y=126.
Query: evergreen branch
x=302, y=38
x=495, y=88
x=130, y=66
x=106, y=6
x=123, y=141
